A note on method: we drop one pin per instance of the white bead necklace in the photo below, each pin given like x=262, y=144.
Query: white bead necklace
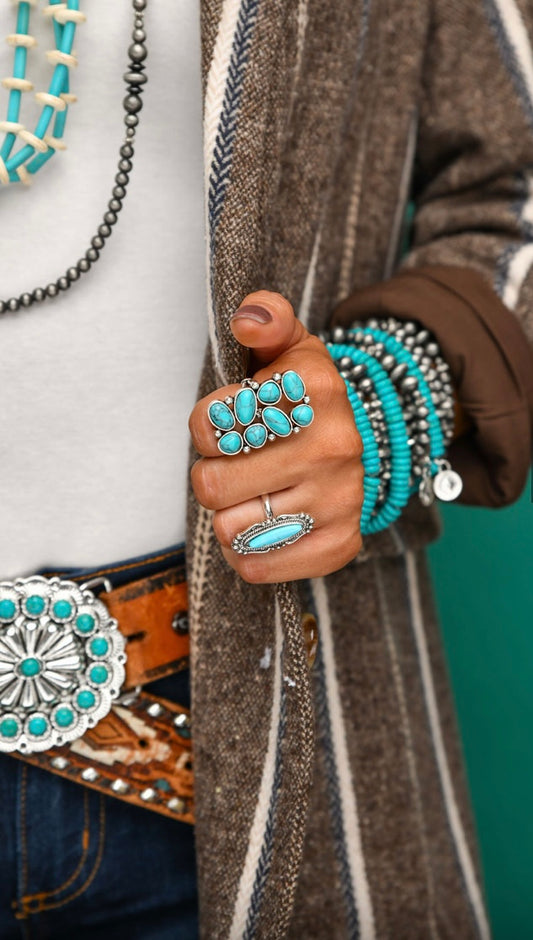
x=38, y=146
x=135, y=80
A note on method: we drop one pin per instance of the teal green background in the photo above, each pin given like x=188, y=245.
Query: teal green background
x=482, y=569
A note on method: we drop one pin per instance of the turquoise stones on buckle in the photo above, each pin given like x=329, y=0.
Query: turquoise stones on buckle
x=274, y=532
x=61, y=662
x=254, y=410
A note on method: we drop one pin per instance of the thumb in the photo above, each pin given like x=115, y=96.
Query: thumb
x=266, y=324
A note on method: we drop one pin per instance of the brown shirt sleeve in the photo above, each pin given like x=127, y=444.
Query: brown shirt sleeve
x=491, y=361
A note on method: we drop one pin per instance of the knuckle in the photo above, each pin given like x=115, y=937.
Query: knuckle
x=195, y=425
x=202, y=484
x=350, y=443
x=328, y=384
x=350, y=545
x=356, y=451
x=357, y=483
x=251, y=569
x=356, y=544
x=221, y=528
x=344, y=445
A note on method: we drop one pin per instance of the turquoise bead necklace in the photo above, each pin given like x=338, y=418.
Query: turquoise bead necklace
x=38, y=146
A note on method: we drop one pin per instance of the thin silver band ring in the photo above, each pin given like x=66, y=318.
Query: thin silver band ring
x=274, y=533
x=265, y=499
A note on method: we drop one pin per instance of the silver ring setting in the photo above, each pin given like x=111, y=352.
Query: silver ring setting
x=252, y=417
x=274, y=533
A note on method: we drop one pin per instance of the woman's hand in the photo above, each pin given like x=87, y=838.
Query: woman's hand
x=318, y=471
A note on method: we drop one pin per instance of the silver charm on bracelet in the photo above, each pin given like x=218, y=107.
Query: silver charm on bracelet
x=274, y=532
x=255, y=410
x=447, y=484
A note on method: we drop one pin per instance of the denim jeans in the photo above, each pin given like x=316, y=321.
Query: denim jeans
x=75, y=864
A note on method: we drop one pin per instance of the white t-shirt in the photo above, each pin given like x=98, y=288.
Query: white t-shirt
x=96, y=385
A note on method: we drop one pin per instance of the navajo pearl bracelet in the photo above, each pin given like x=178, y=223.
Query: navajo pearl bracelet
x=426, y=353
x=446, y=484
x=432, y=425
x=440, y=388
x=422, y=391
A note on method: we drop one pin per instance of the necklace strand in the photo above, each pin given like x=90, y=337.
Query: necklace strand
x=132, y=103
x=40, y=145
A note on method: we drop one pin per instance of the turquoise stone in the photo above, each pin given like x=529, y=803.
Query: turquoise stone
x=269, y=393
x=62, y=609
x=292, y=386
x=30, y=667
x=230, y=443
x=302, y=415
x=64, y=717
x=245, y=406
x=7, y=609
x=34, y=605
x=255, y=435
x=85, y=623
x=99, y=646
x=99, y=674
x=86, y=699
x=37, y=726
x=221, y=416
x=9, y=728
x=276, y=534
x=277, y=421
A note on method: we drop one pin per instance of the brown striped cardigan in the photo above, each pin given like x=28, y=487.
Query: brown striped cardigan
x=332, y=804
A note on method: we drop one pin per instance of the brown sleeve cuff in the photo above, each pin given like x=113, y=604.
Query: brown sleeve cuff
x=491, y=361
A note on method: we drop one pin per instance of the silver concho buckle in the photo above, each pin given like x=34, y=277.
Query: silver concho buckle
x=61, y=661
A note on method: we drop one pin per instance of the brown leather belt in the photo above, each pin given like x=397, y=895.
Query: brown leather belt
x=141, y=752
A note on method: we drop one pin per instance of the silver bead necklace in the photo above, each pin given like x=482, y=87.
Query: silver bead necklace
x=135, y=79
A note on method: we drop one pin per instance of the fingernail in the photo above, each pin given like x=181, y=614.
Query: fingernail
x=252, y=312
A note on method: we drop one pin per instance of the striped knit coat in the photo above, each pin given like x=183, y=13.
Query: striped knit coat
x=331, y=802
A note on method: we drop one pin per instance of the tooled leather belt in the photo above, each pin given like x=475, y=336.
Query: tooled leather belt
x=73, y=663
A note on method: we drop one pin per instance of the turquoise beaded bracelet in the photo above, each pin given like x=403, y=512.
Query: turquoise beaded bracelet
x=398, y=491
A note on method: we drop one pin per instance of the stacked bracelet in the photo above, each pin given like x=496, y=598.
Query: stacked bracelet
x=400, y=390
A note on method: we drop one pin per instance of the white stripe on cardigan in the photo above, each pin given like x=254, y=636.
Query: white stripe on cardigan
x=258, y=831
x=350, y=818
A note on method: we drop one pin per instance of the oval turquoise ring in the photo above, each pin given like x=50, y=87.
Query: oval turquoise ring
x=274, y=532
x=246, y=421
